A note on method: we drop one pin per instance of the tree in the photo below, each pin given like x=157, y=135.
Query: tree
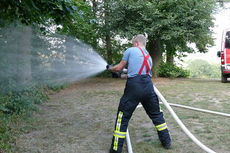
x=107, y=31
x=103, y=35
x=170, y=25
x=84, y=26
x=202, y=69
x=199, y=68
x=37, y=13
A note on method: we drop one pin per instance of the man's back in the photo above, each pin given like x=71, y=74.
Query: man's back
x=135, y=58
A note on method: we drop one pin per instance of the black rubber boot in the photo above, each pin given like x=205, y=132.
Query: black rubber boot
x=166, y=145
x=165, y=139
x=113, y=151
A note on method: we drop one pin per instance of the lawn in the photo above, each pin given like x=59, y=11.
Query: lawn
x=80, y=119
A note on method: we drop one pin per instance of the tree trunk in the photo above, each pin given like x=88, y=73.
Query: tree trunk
x=70, y=53
x=170, y=52
x=108, y=49
x=94, y=8
x=24, y=55
x=108, y=34
x=156, y=54
x=170, y=57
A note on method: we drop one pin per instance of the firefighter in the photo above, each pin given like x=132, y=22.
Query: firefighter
x=139, y=88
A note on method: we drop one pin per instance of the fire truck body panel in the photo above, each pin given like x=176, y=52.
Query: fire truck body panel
x=225, y=55
x=227, y=59
x=226, y=62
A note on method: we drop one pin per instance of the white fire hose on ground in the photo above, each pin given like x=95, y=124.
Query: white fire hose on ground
x=199, y=109
x=187, y=132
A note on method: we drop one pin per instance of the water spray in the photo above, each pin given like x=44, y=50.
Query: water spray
x=28, y=59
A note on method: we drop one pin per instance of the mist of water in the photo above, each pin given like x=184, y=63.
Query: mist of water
x=29, y=59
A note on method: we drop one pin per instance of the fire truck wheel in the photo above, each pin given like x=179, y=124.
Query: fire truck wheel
x=223, y=79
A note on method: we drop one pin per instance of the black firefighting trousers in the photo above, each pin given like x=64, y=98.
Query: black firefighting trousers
x=138, y=89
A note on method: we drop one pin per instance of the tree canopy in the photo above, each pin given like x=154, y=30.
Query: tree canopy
x=37, y=11
x=176, y=22
x=202, y=69
x=172, y=24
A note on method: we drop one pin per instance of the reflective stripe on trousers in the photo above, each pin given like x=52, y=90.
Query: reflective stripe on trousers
x=117, y=134
x=161, y=127
x=138, y=89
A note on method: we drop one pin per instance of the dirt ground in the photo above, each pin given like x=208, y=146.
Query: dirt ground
x=80, y=118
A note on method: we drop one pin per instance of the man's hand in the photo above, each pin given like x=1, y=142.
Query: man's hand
x=118, y=67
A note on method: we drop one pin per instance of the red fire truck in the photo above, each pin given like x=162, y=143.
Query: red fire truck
x=224, y=54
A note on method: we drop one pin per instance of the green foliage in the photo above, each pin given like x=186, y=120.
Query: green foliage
x=83, y=26
x=108, y=42
x=117, y=50
x=57, y=87
x=74, y=17
x=202, y=69
x=5, y=135
x=22, y=101
x=172, y=71
x=38, y=11
x=10, y=127
x=175, y=24
x=14, y=106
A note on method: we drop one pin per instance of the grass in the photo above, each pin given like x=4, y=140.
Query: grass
x=207, y=95
x=80, y=119
x=11, y=127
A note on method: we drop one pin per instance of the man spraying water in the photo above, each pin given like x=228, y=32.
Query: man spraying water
x=139, y=88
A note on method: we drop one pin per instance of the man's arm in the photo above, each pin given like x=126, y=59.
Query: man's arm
x=118, y=67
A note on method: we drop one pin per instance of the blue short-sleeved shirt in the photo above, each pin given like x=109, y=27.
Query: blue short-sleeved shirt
x=135, y=59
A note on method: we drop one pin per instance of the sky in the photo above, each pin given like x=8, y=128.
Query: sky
x=222, y=21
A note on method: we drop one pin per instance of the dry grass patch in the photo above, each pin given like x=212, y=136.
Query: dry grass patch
x=80, y=119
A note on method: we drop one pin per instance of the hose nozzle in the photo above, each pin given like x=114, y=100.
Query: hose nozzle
x=108, y=66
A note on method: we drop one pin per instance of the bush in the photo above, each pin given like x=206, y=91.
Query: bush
x=5, y=137
x=171, y=71
x=15, y=108
x=57, y=87
x=203, y=69
x=22, y=101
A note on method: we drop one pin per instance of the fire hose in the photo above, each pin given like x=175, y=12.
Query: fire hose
x=182, y=126
x=179, y=122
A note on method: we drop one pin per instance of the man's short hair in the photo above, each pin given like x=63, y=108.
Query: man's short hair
x=139, y=38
